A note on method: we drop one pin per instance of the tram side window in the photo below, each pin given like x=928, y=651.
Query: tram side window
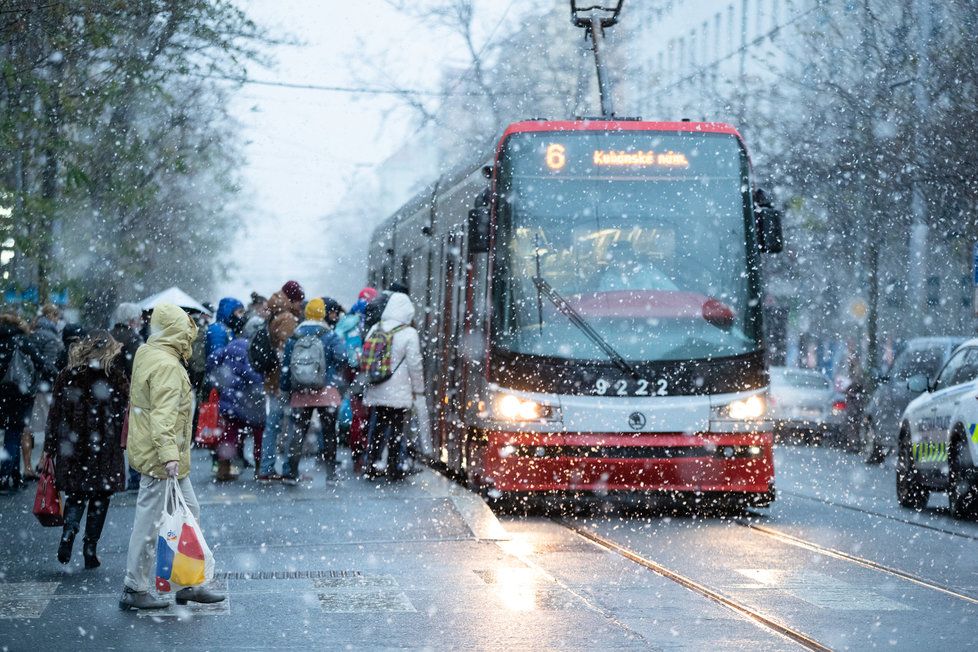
x=480, y=264
x=406, y=270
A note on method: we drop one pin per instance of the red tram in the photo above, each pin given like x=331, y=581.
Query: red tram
x=591, y=310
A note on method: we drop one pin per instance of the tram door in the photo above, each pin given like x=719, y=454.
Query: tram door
x=449, y=390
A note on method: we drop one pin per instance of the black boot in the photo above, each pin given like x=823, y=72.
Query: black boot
x=74, y=508
x=98, y=509
x=67, y=541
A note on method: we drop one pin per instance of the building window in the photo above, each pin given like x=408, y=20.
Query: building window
x=744, y=9
x=671, y=57
x=717, y=31
x=933, y=291
x=706, y=43
x=731, y=33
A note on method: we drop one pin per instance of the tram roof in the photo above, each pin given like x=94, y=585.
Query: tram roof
x=600, y=124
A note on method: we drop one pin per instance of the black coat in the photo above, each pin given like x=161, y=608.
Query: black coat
x=130, y=341
x=84, y=429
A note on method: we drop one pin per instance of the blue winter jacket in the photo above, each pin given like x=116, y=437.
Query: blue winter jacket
x=242, y=388
x=333, y=345
x=219, y=333
x=348, y=329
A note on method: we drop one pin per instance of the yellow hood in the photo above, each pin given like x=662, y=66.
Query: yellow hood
x=172, y=328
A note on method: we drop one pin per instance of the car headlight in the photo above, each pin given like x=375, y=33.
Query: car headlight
x=745, y=409
x=512, y=408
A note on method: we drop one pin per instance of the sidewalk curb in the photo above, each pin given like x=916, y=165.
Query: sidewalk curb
x=470, y=505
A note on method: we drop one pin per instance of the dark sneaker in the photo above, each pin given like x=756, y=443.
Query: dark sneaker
x=140, y=600
x=271, y=477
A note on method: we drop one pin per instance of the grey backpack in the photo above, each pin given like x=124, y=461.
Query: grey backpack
x=307, y=368
x=20, y=372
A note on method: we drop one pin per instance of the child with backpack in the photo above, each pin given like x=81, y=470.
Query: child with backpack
x=312, y=360
x=391, y=365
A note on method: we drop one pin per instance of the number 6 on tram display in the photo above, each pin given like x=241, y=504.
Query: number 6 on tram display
x=591, y=310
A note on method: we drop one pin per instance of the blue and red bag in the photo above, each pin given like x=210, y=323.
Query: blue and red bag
x=182, y=556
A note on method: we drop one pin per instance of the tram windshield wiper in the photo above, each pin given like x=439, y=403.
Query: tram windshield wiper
x=543, y=287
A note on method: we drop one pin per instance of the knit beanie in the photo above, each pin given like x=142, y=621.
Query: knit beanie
x=367, y=294
x=293, y=291
x=316, y=310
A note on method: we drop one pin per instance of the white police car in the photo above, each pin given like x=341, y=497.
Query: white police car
x=938, y=441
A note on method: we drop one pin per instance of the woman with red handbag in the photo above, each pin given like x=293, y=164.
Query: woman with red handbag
x=84, y=438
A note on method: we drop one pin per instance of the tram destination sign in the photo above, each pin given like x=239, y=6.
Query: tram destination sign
x=632, y=154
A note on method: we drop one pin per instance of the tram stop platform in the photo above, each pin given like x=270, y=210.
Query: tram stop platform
x=352, y=564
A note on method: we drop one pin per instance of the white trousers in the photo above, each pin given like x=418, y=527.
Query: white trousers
x=141, y=564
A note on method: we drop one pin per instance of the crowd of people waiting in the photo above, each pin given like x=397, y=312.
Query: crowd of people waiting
x=286, y=361
x=273, y=368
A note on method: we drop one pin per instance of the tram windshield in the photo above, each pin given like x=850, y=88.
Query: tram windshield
x=644, y=234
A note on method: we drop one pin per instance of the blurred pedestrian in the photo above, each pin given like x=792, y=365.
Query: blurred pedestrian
x=126, y=323
x=46, y=338
x=228, y=321
x=390, y=402
x=284, y=310
x=242, y=403
x=160, y=418
x=70, y=335
x=351, y=329
x=257, y=308
x=21, y=365
x=83, y=438
x=334, y=311
x=312, y=359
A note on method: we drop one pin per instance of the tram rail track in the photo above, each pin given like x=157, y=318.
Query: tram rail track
x=756, y=616
x=805, y=544
x=870, y=512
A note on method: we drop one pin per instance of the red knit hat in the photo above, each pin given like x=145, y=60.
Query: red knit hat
x=293, y=291
x=367, y=294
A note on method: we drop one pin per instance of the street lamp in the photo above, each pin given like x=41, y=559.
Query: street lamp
x=594, y=17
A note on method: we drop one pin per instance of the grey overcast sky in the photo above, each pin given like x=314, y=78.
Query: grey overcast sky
x=304, y=147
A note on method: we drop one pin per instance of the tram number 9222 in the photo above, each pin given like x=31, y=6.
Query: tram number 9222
x=639, y=387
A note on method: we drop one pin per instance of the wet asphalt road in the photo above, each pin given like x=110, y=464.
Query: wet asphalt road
x=426, y=565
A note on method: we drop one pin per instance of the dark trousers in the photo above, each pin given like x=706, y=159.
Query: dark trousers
x=233, y=437
x=386, y=429
x=15, y=411
x=98, y=508
x=301, y=418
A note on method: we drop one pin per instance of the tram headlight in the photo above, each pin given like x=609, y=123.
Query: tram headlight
x=509, y=407
x=745, y=409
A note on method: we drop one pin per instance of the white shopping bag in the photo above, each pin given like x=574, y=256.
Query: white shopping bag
x=423, y=421
x=182, y=556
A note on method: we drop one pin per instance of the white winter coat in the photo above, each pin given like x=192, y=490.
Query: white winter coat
x=408, y=379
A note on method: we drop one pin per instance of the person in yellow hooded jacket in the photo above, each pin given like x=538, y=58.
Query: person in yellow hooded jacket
x=160, y=430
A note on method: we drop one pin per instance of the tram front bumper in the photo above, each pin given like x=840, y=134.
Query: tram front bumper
x=541, y=462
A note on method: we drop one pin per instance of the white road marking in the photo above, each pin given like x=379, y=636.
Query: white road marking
x=25, y=599
x=821, y=590
x=365, y=594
